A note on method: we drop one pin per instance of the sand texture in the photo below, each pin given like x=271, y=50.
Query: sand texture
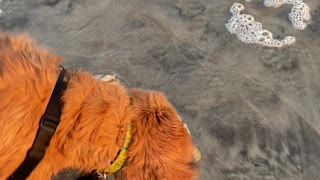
x=254, y=112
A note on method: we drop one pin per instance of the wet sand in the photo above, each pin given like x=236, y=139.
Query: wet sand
x=253, y=111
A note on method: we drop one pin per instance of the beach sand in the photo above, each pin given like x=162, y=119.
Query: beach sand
x=252, y=111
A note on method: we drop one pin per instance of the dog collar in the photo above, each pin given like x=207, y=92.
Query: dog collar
x=123, y=155
x=48, y=124
x=51, y=118
x=117, y=164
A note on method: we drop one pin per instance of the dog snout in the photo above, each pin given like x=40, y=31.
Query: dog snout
x=196, y=155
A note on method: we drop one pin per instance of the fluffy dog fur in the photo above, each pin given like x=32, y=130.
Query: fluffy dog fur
x=93, y=123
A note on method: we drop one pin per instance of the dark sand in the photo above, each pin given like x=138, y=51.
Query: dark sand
x=253, y=111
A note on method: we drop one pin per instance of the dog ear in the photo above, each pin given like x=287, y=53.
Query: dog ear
x=153, y=109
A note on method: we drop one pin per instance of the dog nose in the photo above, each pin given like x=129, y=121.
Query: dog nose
x=196, y=155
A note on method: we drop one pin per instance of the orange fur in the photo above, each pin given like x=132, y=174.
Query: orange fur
x=161, y=147
x=93, y=122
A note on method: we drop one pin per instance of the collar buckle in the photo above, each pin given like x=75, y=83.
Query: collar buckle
x=49, y=123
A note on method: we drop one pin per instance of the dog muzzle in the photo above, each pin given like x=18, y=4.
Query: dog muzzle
x=196, y=155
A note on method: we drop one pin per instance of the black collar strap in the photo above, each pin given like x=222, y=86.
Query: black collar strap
x=51, y=118
x=48, y=124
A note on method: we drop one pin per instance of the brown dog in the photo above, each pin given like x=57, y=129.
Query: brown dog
x=96, y=118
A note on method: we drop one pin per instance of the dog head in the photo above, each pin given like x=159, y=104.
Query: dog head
x=161, y=147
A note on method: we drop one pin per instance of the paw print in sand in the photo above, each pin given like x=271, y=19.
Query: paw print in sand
x=249, y=31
